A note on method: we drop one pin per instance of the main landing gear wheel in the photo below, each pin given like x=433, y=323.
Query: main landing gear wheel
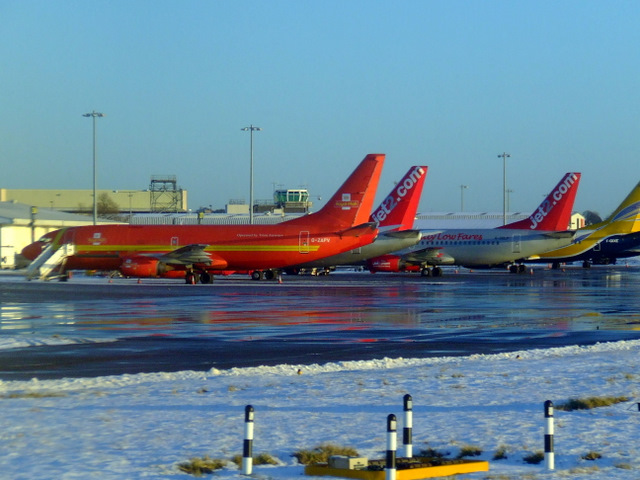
x=206, y=277
x=517, y=268
x=431, y=272
x=264, y=274
x=257, y=275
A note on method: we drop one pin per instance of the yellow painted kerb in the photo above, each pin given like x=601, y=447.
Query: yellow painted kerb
x=405, y=474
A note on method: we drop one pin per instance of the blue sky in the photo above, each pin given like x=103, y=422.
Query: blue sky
x=447, y=84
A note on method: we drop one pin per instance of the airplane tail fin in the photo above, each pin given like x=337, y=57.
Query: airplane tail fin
x=627, y=214
x=554, y=213
x=352, y=203
x=398, y=210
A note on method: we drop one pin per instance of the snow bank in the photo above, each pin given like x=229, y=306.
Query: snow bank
x=144, y=425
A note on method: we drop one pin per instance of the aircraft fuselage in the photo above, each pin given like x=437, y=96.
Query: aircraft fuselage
x=106, y=247
x=485, y=247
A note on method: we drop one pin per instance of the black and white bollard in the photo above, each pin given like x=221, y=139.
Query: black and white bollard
x=549, y=459
x=247, y=447
x=390, y=468
x=407, y=441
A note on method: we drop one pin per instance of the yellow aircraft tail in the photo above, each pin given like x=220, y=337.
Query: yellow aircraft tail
x=626, y=216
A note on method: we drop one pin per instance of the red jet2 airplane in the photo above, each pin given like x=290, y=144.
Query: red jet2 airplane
x=199, y=251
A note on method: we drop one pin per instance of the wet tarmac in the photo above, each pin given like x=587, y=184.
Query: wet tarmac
x=90, y=326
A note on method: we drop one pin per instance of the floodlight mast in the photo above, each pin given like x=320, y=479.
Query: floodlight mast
x=504, y=156
x=251, y=129
x=94, y=115
x=462, y=189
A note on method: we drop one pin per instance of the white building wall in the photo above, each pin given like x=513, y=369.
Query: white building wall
x=12, y=240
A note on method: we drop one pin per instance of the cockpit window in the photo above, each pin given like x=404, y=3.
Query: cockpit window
x=45, y=239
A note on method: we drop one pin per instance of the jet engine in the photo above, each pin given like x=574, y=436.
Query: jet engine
x=389, y=263
x=142, y=267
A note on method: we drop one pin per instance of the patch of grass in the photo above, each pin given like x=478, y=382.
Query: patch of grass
x=321, y=453
x=33, y=395
x=590, y=470
x=261, y=459
x=199, y=466
x=501, y=453
x=534, y=458
x=589, y=403
x=264, y=459
x=591, y=456
x=432, y=453
x=469, y=451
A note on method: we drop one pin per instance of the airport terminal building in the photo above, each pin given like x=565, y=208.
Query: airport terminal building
x=124, y=202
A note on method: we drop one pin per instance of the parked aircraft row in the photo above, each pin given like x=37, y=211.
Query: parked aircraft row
x=603, y=243
x=395, y=217
x=343, y=232
x=544, y=230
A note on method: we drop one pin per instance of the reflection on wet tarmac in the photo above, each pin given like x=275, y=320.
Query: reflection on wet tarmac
x=125, y=327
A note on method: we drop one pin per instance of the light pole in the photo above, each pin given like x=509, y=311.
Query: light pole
x=130, y=209
x=504, y=156
x=462, y=189
x=251, y=129
x=94, y=114
x=509, y=192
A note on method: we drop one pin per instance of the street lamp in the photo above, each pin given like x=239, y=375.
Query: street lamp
x=251, y=129
x=462, y=189
x=504, y=156
x=94, y=114
x=130, y=209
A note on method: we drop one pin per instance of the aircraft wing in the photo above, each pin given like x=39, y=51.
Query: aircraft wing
x=401, y=234
x=187, y=255
x=359, y=229
x=560, y=234
x=431, y=255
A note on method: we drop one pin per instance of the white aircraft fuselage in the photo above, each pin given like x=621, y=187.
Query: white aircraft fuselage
x=384, y=243
x=483, y=247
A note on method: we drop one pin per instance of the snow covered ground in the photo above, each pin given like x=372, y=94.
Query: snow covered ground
x=143, y=426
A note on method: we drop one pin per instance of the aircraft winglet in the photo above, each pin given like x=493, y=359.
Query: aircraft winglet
x=359, y=229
